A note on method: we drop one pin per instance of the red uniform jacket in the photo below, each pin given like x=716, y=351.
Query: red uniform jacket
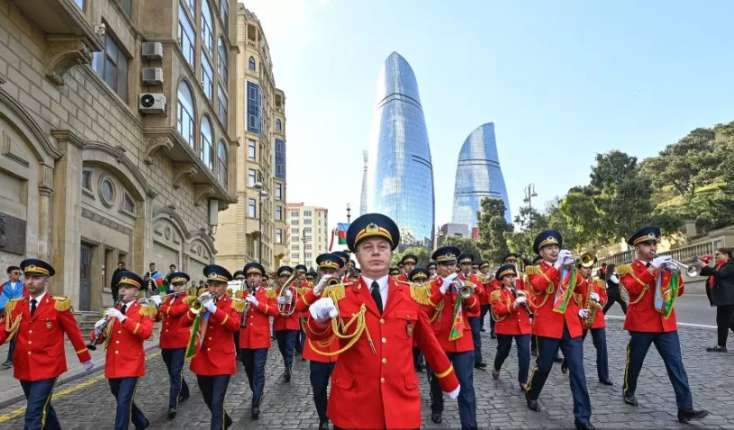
x=256, y=334
x=39, y=348
x=444, y=305
x=510, y=320
x=292, y=322
x=329, y=344
x=125, y=354
x=487, y=290
x=215, y=354
x=599, y=287
x=544, y=280
x=641, y=313
x=375, y=389
x=175, y=330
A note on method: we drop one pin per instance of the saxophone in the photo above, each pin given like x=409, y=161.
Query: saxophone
x=592, y=306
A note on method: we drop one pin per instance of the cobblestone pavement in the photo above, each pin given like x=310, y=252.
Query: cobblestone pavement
x=87, y=403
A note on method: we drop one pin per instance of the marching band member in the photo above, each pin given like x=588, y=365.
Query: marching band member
x=431, y=267
x=419, y=276
x=554, y=284
x=38, y=322
x=452, y=329
x=174, y=338
x=407, y=264
x=376, y=319
x=213, y=326
x=487, y=278
x=510, y=309
x=302, y=284
x=343, y=271
x=127, y=327
x=466, y=264
x=239, y=276
x=596, y=297
x=255, y=332
x=653, y=286
x=286, y=326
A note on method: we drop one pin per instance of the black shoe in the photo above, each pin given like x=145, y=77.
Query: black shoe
x=324, y=425
x=482, y=330
x=227, y=421
x=480, y=366
x=436, y=417
x=6, y=365
x=495, y=374
x=421, y=368
x=630, y=400
x=255, y=412
x=712, y=349
x=493, y=335
x=558, y=359
x=287, y=375
x=533, y=405
x=584, y=426
x=564, y=367
x=685, y=416
x=534, y=352
x=183, y=397
x=171, y=414
x=144, y=426
x=606, y=382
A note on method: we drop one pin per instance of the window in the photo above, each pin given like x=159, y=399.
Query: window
x=294, y=256
x=252, y=208
x=87, y=180
x=107, y=191
x=278, y=213
x=294, y=214
x=278, y=125
x=307, y=221
x=294, y=231
x=222, y=105
x=280, y=158
x=222, y=161
x=307, y=213
x=306, y=230
x=128, y=204
x=278, y=235
x=185, y=113
x=278, y=191
x=207, y=80
x=307, y=256
x=224, y=13
x=251, y=177
x=223, y=66
x=251, y=149
x=294, y=222
x=111, y=66
x=307, y=247
x=207, y=36
x=252, y=64
x=126, y=6
x=186, y=34
x=253, y=108
x=206, y=142
x=80, y=4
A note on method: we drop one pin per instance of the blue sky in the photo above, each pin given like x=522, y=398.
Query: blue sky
x=562, y=81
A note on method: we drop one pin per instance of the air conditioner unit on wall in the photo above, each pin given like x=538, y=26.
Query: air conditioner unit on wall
x=152, y=103
x=152, y=50
x=152, y=75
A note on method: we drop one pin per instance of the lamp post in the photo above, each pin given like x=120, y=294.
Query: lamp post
x=262, y=194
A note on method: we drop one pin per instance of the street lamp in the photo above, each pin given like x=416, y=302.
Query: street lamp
x=263, y=194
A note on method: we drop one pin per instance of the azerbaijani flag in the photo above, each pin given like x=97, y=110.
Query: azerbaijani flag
x=341, y=230
x=159, y=281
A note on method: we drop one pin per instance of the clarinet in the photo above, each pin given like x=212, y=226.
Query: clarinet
x=525, y=305
x=246, y=311
x=92, y=346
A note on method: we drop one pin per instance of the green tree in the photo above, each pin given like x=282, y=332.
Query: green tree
x=465, y=245
x=493, y=230
x=530, y=222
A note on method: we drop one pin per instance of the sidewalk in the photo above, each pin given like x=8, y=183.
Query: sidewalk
x=12, y=391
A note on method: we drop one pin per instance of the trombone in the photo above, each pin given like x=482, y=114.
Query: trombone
x=286, y=299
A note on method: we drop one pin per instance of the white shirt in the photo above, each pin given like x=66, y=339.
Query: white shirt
x=37, y=299
x=382, y=282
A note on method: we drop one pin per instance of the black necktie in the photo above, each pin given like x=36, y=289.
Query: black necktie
x=33, y=306
x=124, y=309
x=376, y=295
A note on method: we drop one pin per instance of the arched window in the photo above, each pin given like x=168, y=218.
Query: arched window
x=186, y=35
x=222, y=163
x=185, y=113
x=207, y=137
x=251, y=64
x=278, y=125
x=221, y=47
x=207, y=36
x=224, y=13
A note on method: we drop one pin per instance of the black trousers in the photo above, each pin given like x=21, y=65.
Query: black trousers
x=724, y=322
x=614, y=297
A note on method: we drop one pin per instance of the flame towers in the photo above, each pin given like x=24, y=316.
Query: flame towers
x=478, y=175
x=400, y=173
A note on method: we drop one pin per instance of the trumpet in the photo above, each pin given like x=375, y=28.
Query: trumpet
x=464, y=289
x=526, y=305
x=246, y=310
x=692, y=270
x=286, y=299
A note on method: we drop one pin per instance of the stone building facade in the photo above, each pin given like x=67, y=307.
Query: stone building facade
x=95, y=167
x=254, y=228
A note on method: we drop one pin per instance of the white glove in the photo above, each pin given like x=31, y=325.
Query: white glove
x=323, y=309
x=210, y=307
x=115, y=313
x=659, y=262
x=98, y=325
x=156, y=299
x=88, y=366
x=447, y=283
x=322, y=283
x=595, y=297
x=204, y=298
x=520, y=300
x=453, y=395
x=252, y=300
x=584, y=313
x=564, y=257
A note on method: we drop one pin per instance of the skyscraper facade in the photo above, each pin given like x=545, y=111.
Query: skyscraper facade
x=400, y=173
x=478, y=175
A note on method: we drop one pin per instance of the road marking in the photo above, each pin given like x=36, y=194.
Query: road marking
x=682, y=324
x=64, y=391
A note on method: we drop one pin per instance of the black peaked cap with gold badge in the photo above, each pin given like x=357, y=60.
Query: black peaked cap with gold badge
x=126, y=278
x=505, y=270
x=36, y=267
x=409, y=258
x=178, y=278
x=217, y=273
x=372, y=225
x=446, y=254
x=645, y=234
x=545, y=238
x=254, y=267
x=285, y=271
x=466, y=259
x=329, y=261
x=418, y=275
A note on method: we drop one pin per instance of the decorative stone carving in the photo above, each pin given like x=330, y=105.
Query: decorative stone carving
x=153, y=144
x=182, y=171
x=63, y=53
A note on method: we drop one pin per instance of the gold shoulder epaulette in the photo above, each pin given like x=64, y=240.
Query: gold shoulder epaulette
x=229, y=292
x=148, y=310
x=495, y=296
x=62, y=304
x=623, y=269
x=271, y=293
x=238, y=305
x=336, y=292
x=420, y=293
x=532, y=270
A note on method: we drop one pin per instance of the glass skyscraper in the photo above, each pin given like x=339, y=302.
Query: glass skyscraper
x=478, y=175
x=400, y=173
